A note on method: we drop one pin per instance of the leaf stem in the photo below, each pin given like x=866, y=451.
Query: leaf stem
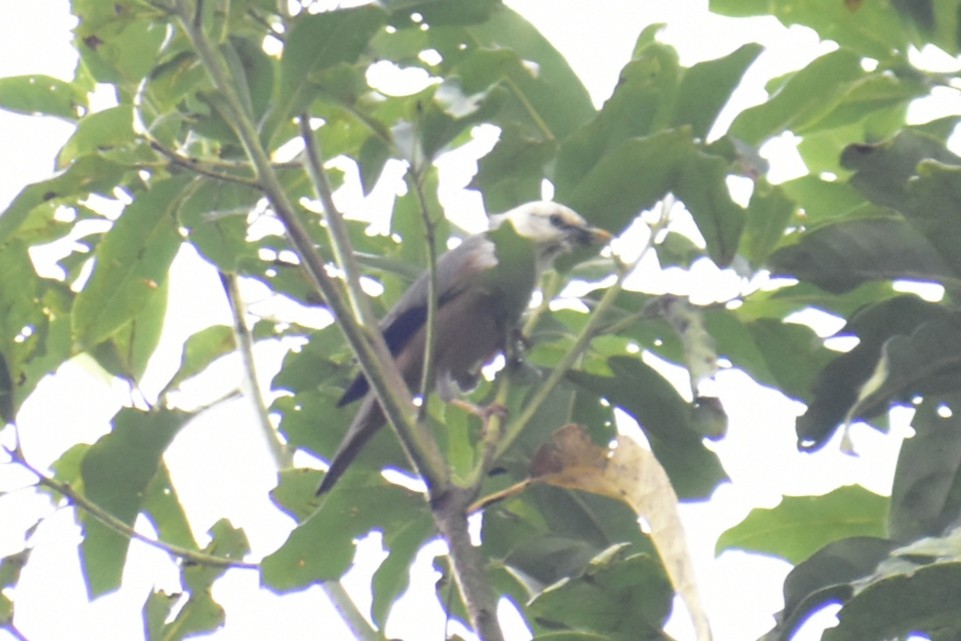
x=245, y=346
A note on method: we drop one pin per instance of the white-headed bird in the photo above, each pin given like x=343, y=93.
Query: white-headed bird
x=483, y=287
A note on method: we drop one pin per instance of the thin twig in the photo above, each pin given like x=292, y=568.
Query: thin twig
x=349, y=613
x=283, y=458
x=197, y=166
x=343, y=252
x=120, y=527
x=415, y=178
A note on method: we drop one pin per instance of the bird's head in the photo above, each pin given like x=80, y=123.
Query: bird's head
x=553, y=228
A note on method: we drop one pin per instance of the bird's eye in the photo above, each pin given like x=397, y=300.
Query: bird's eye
x=558, y=221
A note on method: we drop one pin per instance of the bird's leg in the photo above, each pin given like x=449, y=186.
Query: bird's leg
x=484, y=412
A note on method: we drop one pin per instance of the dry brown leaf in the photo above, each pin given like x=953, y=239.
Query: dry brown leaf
x=628, y=473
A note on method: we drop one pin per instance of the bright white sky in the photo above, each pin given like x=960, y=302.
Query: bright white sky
x=740, y=591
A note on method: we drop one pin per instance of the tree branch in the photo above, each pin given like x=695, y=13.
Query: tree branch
x=197, y=166
x=369, y=346
x=340, y=240
x=120, y=527
x=450, y=515
x=245, y=346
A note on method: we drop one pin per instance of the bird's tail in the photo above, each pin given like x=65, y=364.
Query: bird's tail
x=369, y=419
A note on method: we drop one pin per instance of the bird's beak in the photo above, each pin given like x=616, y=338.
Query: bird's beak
x=593, y=236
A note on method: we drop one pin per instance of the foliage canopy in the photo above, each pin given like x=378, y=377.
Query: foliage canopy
x=222, y=111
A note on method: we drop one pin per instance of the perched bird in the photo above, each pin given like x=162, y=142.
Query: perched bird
x=483, y=286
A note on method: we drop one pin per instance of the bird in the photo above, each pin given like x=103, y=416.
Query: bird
x=483, y=287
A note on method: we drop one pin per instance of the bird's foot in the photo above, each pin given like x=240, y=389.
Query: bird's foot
x=485, y=412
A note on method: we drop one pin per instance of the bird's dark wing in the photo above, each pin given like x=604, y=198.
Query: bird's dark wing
x=454, y=270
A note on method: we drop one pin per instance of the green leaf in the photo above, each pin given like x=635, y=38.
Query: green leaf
x=119, y=49
x=116, y=471
x=839, y=256
x=702, y=186
x=19, y=319
x=768, y=215
x=162, y=506
x=874, y=29
x=927, y=360
x=801, y=525
x=707, y=86
x=254, y=71
x=595, y=600
x=785, y=356
x=883, y=170
x=371, y=159
x=614, y=191
x=156, y=610
x=349, y=511
x=226, y=542
x=806, y=97
x=215, y=215
x=822, y=199
x=667, y=422
x=920, y=601
x=639, y=106
x=837, y=387
x=392, y=578
x=407, y=221
x=90, y=174
x=38, y=94
x=553, y=102
x=826, y=577
x=127, y=353
x=99, y=132
x=10, y=568
x=449, y=113
x=926, y=497
x=200, y=613
x=201, y=349
x=514, y=277
x=548, y=534
x=915, y=174
x=439, y=12
x=132, y=261
x=317, y=42
x=512, y=172
x=169, y=84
